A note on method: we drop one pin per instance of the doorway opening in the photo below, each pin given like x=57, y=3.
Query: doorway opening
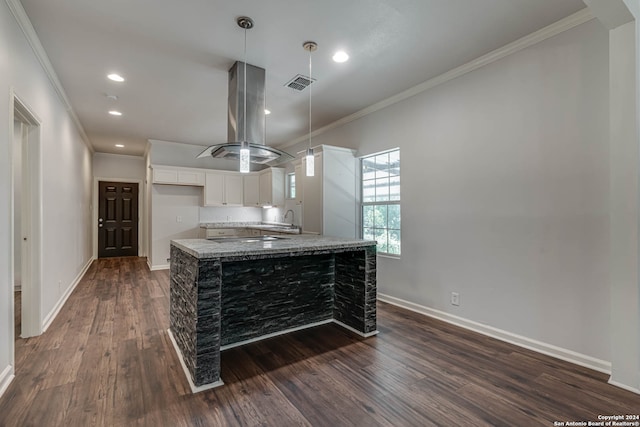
x=117, y=219
x=26, y=225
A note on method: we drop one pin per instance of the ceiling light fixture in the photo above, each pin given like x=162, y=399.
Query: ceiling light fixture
x=119, y=145
x=310, y=47
x=267, y=112
x=115, y=113
x=115, y=77
x=341, y=56
x=245, y=155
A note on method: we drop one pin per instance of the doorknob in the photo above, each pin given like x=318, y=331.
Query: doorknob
x=99, y=219
x=100, y=225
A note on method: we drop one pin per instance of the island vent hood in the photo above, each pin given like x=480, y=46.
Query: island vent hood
x=255, y=126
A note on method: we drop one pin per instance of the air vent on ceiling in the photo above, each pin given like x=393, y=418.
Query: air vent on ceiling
x=299, y=82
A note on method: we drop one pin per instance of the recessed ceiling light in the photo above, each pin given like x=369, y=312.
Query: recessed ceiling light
x=115, y=77
x=119, y=145
x=267, y=112
x=115, y=113
x=341, y=56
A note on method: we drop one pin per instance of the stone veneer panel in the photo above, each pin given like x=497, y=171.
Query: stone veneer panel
x=264, y=296
x=246, y=294
x=355, y=289
x=195, y=314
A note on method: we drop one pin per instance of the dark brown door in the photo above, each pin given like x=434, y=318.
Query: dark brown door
x=117, y=219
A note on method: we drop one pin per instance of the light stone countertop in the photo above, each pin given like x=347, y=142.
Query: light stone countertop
x=290, y=246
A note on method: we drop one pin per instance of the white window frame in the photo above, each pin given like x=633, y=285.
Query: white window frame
x=379, y=203
x=288, y=178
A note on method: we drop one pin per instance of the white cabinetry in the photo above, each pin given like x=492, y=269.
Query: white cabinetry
x=329, y=199
x=251, y=185
x=223, y=189
x=271, y=182
x=226, y=232
x=177, y=176
x=299, y=183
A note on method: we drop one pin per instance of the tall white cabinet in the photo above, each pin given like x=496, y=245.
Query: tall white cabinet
x=330, y=197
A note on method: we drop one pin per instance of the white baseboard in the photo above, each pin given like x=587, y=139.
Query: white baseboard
x=355, y=331
x=6, y=377
x=158, y=267
x=61, y=302
x=521, y=341
x=275, y=334
x=194, y=388
x=624, y=386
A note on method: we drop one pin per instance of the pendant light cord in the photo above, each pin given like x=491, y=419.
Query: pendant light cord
x=310, y=84
x=244, y=118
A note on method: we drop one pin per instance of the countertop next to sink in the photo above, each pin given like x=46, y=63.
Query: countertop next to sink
x=279, y=227
x=291, y=246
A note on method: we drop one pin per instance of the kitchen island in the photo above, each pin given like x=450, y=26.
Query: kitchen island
x=228, y=292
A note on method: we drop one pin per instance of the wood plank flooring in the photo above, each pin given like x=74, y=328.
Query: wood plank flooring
x=107, y=361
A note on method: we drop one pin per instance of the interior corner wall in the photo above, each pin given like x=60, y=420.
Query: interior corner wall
x=66, y=180
x=505, y=192
x=624, y=165
x=168, y=202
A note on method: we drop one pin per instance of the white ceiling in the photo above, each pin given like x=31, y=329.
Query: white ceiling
x=175, y=56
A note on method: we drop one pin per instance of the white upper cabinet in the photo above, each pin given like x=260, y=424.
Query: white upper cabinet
x=223, y=189
x=251, y=190
x=177, y=176
x=271, y=182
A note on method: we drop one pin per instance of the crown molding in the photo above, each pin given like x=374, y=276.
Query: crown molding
x=30, y=34
x=545, y=33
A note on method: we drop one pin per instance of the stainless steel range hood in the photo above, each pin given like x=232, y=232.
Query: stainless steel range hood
x=255, y=120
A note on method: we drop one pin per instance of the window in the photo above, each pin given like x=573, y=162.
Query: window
x=381, y=200
x=291, y=185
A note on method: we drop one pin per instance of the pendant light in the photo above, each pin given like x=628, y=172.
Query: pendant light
x=245, y=158
x=310, y=47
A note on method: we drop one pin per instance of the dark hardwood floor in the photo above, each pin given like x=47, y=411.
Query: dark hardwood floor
x=107, y=361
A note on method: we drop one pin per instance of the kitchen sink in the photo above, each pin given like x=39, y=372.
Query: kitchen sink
x=254, y=239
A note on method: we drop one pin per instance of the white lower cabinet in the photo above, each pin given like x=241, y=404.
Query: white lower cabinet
x=227, y=232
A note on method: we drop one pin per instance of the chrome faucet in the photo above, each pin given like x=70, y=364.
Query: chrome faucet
x=287, y=213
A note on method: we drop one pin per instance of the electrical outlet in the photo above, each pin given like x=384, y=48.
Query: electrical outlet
x=178, y=218
x=59, y=286
x=455, y=298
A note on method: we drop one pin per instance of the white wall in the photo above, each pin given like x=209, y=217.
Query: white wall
x=118, y=166
x=17, y=203
x=624, y=206
x=66, y=182
x=505, y=192
x=168, y=202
